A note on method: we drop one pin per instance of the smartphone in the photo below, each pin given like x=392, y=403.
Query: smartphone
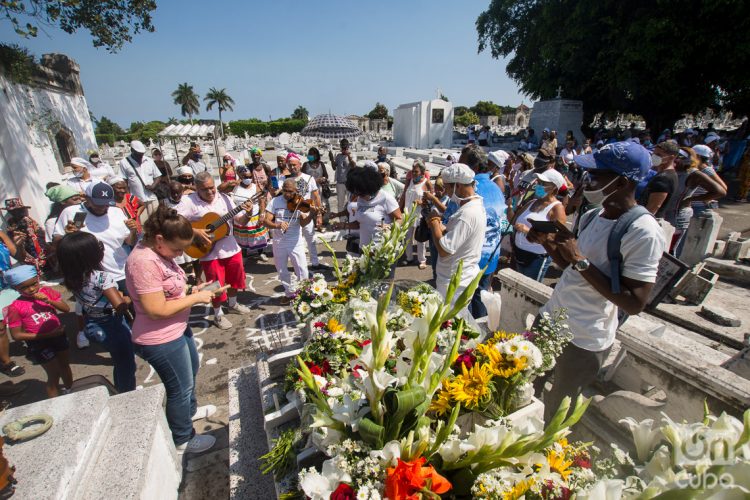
x=212, y=287
x=78, y=219
x=548, y=226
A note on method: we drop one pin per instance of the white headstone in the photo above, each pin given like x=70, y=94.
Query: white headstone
x=423, y=124
x=560, y=115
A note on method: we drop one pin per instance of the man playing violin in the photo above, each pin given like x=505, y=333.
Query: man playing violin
x=224, y=262
x=307, y=189
x=286, y=220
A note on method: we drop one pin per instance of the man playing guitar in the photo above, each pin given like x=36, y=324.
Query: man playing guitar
x=224, y=262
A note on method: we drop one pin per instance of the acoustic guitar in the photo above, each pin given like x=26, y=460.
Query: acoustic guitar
x=217, y=228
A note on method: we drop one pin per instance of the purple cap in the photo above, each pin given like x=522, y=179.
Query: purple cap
x=626, y=158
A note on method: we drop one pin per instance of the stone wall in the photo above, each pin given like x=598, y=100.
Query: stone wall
x=30, y=118
x=560, y=115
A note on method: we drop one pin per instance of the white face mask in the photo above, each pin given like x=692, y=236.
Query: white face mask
x=247, y=182
x=655, y=160
x=597, y=197
x=78, y=173
x=95, y=161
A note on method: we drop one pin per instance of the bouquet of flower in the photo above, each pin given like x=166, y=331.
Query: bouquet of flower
x=708, y=459
x=311, y=298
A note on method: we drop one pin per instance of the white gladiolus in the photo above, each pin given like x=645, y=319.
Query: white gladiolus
x=645, y=436
x=319, y=486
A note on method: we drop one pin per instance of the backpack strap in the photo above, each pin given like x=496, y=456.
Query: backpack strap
x=615, y=239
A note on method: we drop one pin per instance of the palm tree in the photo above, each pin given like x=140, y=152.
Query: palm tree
x=187, y=99
x=222, y=101
x=300, y=113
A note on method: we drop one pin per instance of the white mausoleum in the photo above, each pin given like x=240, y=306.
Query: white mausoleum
x=423, y=124
x=43, y=124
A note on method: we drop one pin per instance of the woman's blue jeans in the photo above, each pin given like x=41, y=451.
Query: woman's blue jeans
x=537, y=269
x=114, y=334
x=176, y=363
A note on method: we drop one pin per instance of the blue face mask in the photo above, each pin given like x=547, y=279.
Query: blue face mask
x=381, y=158
x=539, y=191
x=310, y=158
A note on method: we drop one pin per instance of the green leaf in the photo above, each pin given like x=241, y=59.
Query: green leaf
x=371, y=433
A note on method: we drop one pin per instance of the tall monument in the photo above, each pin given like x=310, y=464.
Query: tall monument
x=558, y=114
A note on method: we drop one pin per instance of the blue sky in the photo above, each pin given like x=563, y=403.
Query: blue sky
x=273, y=56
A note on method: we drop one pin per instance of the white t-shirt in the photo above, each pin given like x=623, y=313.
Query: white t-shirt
x=193, y=207
x=241, y=194
x=110, y=229
x=91, y=297
x=79, y=184
x=148, y=171
x=198, y=167
x=102, y=171
x=306, y=185
x=281, y=213
x=371, y=213
x=592, y=318
x=463, y=240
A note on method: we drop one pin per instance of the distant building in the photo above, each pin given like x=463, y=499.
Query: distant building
x=43, y=124
x=363, y=122
x=423, y=124
x=519, y=118
x=489, y=121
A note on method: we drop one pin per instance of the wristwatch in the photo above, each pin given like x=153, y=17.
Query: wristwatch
x=581, y=265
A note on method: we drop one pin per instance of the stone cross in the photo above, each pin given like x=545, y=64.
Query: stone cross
x=559, y=92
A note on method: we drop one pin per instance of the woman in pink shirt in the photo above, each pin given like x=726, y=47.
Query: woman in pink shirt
x=161, y=335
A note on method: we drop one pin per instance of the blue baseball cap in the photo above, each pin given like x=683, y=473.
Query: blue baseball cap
x=101, y=194
x=626, y=158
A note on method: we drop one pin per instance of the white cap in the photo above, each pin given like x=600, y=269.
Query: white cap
x=115, y=179
x=184, y=170
x=703, y=150
x=458, y=173
x=711, y=137
x=370, y=164
x=498, y=157
x=137, y=146
x=553, y=176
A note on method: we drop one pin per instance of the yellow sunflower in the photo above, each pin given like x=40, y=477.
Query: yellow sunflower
x=499, y=365
x=340, y=295
x=334, y=326
x=472, y=386
x=441, y=403
x=518, y=490
x=558, y=459
x=501, y=336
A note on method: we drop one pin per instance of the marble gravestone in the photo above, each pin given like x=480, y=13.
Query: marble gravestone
x=560, y=115
x=423, y=124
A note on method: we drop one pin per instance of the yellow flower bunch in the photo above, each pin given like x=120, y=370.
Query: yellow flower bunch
x=560, y=457
x=413, y=307
x=472, y=387
x=501, y=336
x=340, y=294
x=334, y=326
x=500, y=365
x=441, y=403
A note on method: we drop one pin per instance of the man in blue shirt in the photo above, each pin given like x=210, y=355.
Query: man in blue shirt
x=494, y=204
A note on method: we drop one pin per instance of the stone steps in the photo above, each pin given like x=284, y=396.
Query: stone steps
x=98, y=447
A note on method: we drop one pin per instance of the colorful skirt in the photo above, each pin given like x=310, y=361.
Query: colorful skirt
x=253, y=236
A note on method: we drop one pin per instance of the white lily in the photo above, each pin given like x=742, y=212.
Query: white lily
x=319, y=486
x=349, y=412
x=604, y=489
x=323, y=437
x=644, y=436
x=452, y=450
x=389, y=455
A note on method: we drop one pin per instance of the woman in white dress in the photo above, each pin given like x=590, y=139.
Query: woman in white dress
x=415, y=187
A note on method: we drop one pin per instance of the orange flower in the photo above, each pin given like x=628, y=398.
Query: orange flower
x=408, y=480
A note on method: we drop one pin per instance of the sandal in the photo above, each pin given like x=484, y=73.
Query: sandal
x=12, y=370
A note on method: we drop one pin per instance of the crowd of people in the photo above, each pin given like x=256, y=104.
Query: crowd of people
x=138, y=248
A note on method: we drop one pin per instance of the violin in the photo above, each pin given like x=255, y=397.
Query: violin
x=299, y=203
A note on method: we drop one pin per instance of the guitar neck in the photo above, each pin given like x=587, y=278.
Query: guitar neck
x=226, y=217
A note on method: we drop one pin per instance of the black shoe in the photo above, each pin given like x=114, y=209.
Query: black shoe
x=12, y=370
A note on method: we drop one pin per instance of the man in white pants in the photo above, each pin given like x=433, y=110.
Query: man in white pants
x=342, y=163
x=285, y=225
x=308, y=189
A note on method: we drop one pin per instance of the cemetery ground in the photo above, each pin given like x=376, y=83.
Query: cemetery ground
x=267, y=327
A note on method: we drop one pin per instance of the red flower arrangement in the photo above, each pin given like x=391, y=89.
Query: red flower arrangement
x=344, y=492
x=413, y=480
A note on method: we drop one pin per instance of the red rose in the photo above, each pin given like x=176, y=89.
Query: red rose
x=327, y=367
x=364, y=343
x=319, y=324
x=582, y=461
x=344, y=492
x=467, y=359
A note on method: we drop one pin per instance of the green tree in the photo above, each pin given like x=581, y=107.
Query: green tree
x=300, y=113
x=221, y=100
x=111, y=23
x=444, y=97
x=657, y=59
x=378, y=112
x=187, y=99
x=466, y=119
x=106, y=126
x=460, y=110
x=487, y=108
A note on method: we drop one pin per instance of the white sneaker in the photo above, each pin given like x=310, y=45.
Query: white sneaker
x=198, y=444
x=238, y=309
x=262, y=257
x=222, y=323
x=204, y=412
x=81, y=341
